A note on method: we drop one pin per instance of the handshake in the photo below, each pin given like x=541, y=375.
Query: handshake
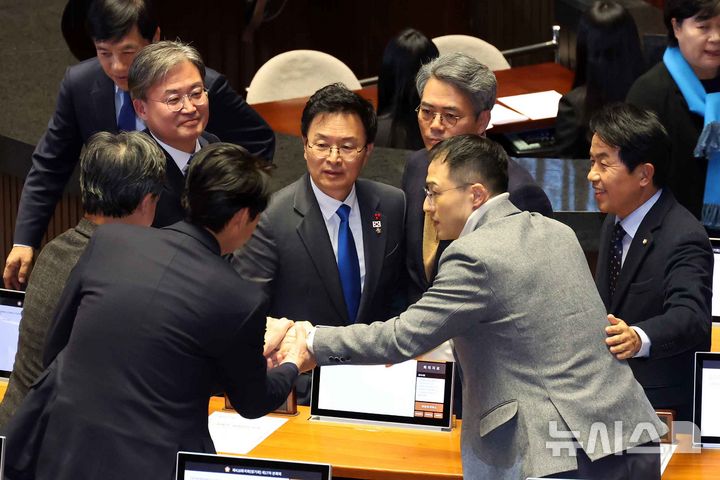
x=286, y=341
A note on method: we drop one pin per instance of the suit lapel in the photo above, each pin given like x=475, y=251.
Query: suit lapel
x=373, y=245
x=313, y=234
x=103, y=97
x=641, y=244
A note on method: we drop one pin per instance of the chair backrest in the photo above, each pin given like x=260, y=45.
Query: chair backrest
x=298, y=73
x=481, y=50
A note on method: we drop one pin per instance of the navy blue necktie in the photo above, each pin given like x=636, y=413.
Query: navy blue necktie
x=616, y=251
x=348, y=264
x=126, y=119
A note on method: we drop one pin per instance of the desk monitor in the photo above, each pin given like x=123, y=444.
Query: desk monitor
x=706, y=414
x=205, y=466
x=11, y=304
x=716, y=280
x=412, y=393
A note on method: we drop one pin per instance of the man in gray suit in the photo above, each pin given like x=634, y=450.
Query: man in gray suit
x=515, y=295
x=121, y=177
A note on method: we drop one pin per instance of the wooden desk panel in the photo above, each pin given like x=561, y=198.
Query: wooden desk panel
x=284, y=115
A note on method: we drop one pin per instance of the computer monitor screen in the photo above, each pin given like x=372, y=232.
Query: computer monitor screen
x=706, y=415
x=716, y=280
x=11, y=305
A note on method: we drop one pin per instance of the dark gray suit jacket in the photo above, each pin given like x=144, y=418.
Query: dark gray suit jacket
x=290, y=254
x=150, y=323
x=665, y=288
x=516, y=296
x=86, y=105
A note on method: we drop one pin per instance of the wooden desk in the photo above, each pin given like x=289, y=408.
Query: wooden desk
x=284, y=115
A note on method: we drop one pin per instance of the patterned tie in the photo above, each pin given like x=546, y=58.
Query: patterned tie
x=126, y=119
x=348, y=264
x=616, y=251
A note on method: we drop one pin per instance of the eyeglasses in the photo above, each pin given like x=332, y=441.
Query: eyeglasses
x=428, y=116
x=431, y=195
x=347, y=152
x=175, y=103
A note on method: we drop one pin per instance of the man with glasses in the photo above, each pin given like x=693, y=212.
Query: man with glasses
x=93, y=97
x=166, y=85
x=456, y=95
x=328, y=248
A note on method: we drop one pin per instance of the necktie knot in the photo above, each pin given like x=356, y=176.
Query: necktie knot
x=343, y=212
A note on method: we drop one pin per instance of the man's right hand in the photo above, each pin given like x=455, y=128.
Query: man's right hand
x=18, y=266
x=297, y=350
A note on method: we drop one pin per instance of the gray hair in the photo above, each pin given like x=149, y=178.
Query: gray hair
x=466, y=73
x=154, y=62
x=118, y=170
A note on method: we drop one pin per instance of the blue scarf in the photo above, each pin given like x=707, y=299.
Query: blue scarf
x=708, y=145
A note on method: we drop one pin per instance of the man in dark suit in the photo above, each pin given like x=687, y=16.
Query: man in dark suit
x=166, y=85
x=314, y=264
x=93, y=98
x=151, y=323
x=654, y=270
x=457, y=93
x=121, y=177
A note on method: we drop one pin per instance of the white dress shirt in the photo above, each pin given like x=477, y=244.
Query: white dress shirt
x=119, y=100
x=181, y=158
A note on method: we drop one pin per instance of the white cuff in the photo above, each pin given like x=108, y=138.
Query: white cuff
x=646, y=343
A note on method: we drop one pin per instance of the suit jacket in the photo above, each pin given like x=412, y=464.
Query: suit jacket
x=290, y=254
x=46, y=284
x=151, y=321
x=525, y=194
x=571, y=132
x=657, y=91
x=86, y=105
x=169, y=209
x=516, y=296
x=664, y=288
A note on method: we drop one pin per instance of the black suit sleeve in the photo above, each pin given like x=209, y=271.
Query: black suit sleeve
x=685, y=321
x=570, y=134
x=53, y=162
x=234, y=121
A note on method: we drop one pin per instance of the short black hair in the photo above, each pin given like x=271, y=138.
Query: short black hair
x=337, y=98
x=223, y=179
x=638, y=134
x=118, y=170
x=111, y=20
x=474, y=159
x=682, y=9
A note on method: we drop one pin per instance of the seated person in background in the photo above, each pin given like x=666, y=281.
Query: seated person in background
x=684, y=91
x=150, y=323
x=655, y=264
x=329, y=247
x=121, y=177
x=397, y=96
x=608, y=60
x=505, y=291
x=457, y=93
x=94, y=97
x=166, y=85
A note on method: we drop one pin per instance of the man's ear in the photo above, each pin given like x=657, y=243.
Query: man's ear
x=156, y=36
x=483, y=122
x=647, y=173
x=139, y=107
x=480, y=195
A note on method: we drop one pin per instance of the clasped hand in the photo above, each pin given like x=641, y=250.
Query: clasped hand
x=285, y=341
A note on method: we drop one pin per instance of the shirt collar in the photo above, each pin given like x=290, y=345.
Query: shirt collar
x=474, y=218
x=632, y=222
x=181, y=158
x=329, y=205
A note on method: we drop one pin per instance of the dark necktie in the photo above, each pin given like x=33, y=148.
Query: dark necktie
x=616, y=251
x=348, y=264
x=187, y=165
x=126, y=119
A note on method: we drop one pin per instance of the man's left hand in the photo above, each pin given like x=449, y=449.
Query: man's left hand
x=624, y=342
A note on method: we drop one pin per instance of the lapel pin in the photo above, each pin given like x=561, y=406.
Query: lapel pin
x=644, y=241
x=377, y=222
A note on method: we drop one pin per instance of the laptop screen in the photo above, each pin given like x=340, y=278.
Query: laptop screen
x=11, y=304
x=707, y=398
x=201, y=466
x=716, y=280
x=413, y=392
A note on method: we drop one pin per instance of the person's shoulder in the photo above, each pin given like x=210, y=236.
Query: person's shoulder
x=85, y=71
x=384, y=190
x=650, y=83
